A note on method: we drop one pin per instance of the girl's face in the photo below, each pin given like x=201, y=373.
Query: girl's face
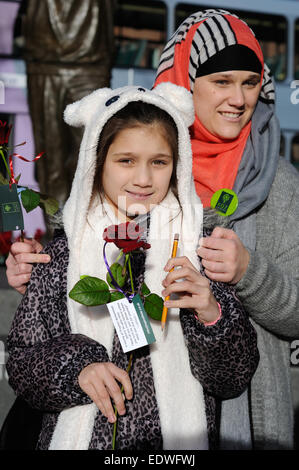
x=137, y=170
x=225, y=102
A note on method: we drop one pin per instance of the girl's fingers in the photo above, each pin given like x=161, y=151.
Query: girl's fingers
x=123, y=377
x=179, y=261
x=95, y=396
x=114, y=389
x=98, y=380
x=184, y=286
x=185, y=302
x=104, y=394
x=95, y=388
x=182, y=273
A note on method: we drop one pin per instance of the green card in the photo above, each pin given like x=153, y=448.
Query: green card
x=224, y=201
x=11, y=217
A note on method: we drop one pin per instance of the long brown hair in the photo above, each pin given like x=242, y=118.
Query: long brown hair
x=135, y=114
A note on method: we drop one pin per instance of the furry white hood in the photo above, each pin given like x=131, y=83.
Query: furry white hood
x=179, y=395
x=93, y=111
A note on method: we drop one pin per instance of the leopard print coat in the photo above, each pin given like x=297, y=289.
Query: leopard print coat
x=45, y=359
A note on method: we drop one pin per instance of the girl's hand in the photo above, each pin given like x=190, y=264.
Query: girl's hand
x=224, y=256
x=193, y=289
x=97, y=380
x=19, y=263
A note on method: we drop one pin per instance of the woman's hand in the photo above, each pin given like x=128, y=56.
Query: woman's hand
x=19, y=263
x=224, y=256
x=97, y=380
x=193, y=289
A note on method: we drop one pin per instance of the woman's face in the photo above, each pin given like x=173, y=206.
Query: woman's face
x=224, y=102
x=137, y=170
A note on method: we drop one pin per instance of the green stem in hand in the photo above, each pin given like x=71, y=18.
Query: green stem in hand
x=5, y=162
x=130, y=271
x=115, y=409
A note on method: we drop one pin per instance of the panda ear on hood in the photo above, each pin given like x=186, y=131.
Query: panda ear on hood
x=180, y=98
x=81, y=112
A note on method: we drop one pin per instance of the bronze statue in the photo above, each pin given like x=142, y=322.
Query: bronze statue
x=69, y=50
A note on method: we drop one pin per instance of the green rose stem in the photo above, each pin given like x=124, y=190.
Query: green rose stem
x=119, y=256
x=8, y=171
x=127, y=261
x=115, y=410
x=5, y=162
x=130, y=271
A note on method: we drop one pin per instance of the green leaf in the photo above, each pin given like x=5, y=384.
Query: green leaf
x=30, y=199
x=90, y=291
x=153, y=306
x=117, y=272
x=49, y=204
x=144, y=289
x=116, y=296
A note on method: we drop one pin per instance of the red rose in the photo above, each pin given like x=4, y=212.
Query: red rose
x=4, y=132
x=5, y=242
x=38, y=235
x=126, y=236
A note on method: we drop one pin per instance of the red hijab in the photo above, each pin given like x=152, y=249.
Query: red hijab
x=215, y=161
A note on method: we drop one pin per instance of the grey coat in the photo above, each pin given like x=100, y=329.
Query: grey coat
x=269, y=292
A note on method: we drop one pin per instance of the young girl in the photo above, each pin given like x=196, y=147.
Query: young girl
x=65, y=358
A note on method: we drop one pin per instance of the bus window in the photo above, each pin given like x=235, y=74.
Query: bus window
x=140, y=32
x=296, y=71
x=10, y=28
x=270, y=30
x=295, y=151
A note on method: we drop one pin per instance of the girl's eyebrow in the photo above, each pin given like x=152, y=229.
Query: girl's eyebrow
x=132, y=154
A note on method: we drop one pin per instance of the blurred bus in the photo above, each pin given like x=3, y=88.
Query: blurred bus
x=143, y=26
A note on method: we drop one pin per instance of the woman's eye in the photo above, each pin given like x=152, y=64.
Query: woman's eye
x=160, y=162
x=252, y=83
x=126, y=161
x=222, y=82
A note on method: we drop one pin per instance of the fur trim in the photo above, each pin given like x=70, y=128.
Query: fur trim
x=211, y=219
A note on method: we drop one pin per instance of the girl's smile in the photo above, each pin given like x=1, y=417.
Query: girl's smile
x=139, y=195
x=137, y=170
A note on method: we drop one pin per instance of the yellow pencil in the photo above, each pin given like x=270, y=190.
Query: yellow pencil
x=173, y=255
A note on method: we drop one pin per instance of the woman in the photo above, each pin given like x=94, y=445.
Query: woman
x=235, y=142
x=235, y=145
